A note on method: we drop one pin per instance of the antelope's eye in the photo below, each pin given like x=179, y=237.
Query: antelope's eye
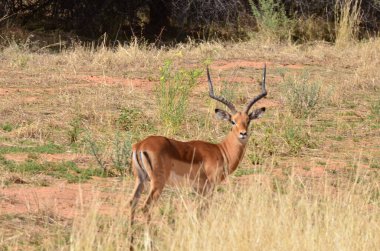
x=233, y=122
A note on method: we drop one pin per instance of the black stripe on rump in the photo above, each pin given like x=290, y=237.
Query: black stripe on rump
x=148, y=159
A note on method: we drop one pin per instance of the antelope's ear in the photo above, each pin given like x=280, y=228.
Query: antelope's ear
x=258, y=113
x=223, y=115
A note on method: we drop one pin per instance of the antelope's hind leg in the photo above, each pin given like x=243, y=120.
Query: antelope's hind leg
x=139, y=186
x=156, y=187
x=141, y=178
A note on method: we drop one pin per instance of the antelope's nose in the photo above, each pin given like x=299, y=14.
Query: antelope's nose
x=243, y=133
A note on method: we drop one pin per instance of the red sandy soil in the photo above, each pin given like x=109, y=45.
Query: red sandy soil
x=5, y=91
x=131, y=82
x=61, y=199
x=223, y=65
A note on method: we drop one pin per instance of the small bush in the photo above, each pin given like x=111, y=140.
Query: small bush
x=271, y=20
x=302, y=97
x=284, y=136
x=172, y=95
x=96, y=151
x=7, y=127
x=121, y=156
x=128, y=117
x=295, y=137
x=228, y=90
x=115, y=160
x=256, y=158
x=75, y=130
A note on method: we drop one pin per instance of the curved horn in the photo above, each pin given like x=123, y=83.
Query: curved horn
x=219, y=98
x=263, y=91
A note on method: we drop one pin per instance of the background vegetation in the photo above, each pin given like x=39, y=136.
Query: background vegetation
x=177, y=20
x=70, y=110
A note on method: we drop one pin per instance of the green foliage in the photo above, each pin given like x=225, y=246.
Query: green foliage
x=95, y=151
x=375, y=164
x=63, y=170
x=75, y=130
x=271, y=20
x=247, y=171
x=228, y=90
x=302, y=97
x=375, y=111
x=48, y=148
x=173, y=93
x=295, y=137
x=134, y=121
x=7, y=127
x=128, y=118
x=256, y=158
x=121, y=156
x=285, y=136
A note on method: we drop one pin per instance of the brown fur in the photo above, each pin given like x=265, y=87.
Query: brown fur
x=162, y=160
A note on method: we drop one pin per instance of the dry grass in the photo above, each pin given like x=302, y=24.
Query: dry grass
x=348, y=17
x=245, y=217
x=305, y=183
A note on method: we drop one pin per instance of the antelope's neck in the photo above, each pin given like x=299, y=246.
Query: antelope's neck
x=233, y=151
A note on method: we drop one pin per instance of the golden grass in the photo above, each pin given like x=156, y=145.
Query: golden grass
x=286, y=204
x=348, y=17
x=244, y=217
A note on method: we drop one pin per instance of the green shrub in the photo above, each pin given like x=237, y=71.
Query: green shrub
x=128, y=117
x=302, y=97
x=271, y=20
x=172, y=94
x=7, y=127
x=295, y=137
x=75, y=129
x=121, y=156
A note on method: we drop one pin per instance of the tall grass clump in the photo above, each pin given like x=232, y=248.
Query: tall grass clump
x=272, y=21
x=254, y=216
x=295, y=136
x=173, y=93
x=285, y=136
x=302, y=96
x=347, y=20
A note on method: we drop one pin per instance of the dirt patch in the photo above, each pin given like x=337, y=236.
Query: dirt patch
x=292, y=66
x=268, y=103
x=16, y=157
x=4, y=91
x=79, y=158
x=29, y=100
x=62, y=199
x=226, y=65
x=134, y=82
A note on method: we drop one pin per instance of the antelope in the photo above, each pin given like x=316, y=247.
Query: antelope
x=162, y=160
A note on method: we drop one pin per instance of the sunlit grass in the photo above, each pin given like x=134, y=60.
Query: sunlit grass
x=277, y=200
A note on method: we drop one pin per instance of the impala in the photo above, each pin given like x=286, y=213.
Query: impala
x=162, y=160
